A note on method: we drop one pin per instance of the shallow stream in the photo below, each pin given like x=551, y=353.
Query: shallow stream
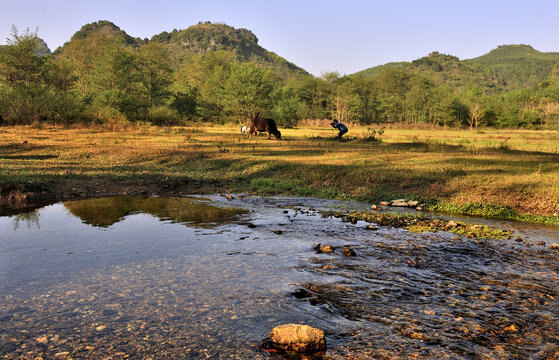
x=209, y=277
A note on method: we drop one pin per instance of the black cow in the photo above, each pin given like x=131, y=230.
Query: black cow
x=258, y=124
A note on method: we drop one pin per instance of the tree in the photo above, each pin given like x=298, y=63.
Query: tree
x=206, y=75
x=248, y=91
x=155, y=74
x=24, y=97
x=473, y=98
x=287, y=106
x=393, y=85
x=347, y=104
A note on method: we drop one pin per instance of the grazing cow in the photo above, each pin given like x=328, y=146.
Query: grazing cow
x=244, y=130
x=258, y=124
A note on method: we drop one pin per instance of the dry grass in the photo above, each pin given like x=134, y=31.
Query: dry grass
x=515, y=168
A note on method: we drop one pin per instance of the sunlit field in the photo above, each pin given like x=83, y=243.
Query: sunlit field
x=502, y=173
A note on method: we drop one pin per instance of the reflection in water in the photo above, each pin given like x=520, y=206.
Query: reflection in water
x=30, y=219
x=197, y=212
x=139, y=284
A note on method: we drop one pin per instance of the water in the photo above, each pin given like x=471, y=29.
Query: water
x=178, y=278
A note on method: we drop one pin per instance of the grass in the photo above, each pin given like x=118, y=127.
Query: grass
x=510, y=174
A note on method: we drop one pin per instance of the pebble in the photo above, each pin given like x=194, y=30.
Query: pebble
x=347, y=251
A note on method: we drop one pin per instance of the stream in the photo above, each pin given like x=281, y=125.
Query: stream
x=209, y=277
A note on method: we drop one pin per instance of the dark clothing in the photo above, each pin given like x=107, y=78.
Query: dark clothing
x=342, y=128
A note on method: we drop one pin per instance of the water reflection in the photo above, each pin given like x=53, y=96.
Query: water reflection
x=30, y=219
x=196, y=212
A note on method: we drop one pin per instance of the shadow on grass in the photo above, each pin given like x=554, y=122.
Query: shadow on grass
x=28, y=157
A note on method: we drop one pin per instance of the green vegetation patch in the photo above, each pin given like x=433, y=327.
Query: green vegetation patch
x=422, y=223
x=495, y=211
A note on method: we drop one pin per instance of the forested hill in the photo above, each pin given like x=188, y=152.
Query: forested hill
x=520, y=66
x=505, y=68
x=195, y=40
x=444, y=69
x=107, y=27
x=205, y=37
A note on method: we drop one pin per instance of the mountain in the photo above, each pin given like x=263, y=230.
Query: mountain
x=197, y=39
x=520, y=65
x=445, y=69
x=377, y=69
x=107, y=27
x=42, y=48
x=504, y=68
x=205, y=37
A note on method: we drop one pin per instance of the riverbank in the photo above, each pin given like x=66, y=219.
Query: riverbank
x=503, y=174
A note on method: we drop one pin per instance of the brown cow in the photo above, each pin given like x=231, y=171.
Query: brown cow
x=258, y=124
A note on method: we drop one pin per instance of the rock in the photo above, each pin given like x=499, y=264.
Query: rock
x=554, y=246
x=399, y=200
x=374, y=207
x=229, y=197
x=326, y=249
x=400, y=204
x=347, y=251
x=353, y=220
x=371, y=227
x=413, y=203
x=511, y=328
x=279, y=232
x=419, y=208
x=384, y=203
x=297, y=338
x=42, y=339
x=452, y=223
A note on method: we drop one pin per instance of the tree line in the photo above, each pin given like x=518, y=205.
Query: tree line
x=101, y=78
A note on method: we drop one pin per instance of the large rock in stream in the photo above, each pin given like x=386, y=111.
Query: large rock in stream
x=297, y=338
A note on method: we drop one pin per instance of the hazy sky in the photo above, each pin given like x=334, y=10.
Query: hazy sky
x=345, y=36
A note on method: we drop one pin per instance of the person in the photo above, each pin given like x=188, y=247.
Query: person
x=341, y=127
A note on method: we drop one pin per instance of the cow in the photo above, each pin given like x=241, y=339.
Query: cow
x=258, y=124
x=244, y=130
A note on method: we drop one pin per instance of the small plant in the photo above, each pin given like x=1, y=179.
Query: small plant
x=372, y=134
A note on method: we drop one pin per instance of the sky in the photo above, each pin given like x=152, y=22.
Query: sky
x=320, y=36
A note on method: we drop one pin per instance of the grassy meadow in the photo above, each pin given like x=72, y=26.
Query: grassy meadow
x=511, y=174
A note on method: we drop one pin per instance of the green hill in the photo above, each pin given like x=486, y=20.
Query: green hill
x=205, y=37
x=107, y=27
x=521, y=66
x=377, y=69
x=504, y=68
x=445, y=69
